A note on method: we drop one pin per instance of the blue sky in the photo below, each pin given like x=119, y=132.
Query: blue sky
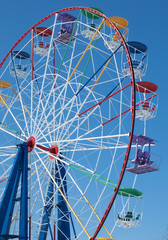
x=147, y=24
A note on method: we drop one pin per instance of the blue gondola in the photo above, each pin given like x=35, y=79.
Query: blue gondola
x=19, y=64
x=138, y=55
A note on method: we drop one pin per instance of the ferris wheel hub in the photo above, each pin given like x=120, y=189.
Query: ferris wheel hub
x=31, y=143
x=54, y=150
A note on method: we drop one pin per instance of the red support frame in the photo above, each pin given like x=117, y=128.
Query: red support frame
x=32, y=55
x=54, y=62
x=4, y=179
x=128, y=110
x=104, y=100
x=29, y=228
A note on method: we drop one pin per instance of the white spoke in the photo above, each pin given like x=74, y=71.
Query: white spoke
x=44, y=78
x=90, y=138
x=12, y=134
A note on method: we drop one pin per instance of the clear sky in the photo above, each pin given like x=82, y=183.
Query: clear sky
x=147, y=24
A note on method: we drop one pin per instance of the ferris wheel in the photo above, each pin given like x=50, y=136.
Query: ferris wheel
x=67, y=99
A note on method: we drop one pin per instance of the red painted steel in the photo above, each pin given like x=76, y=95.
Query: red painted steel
x=104, y=100
x=54, y=62
x=32, y=65
x=31, y=143
x=54, y=231
x=53, y=150
x=43, y=148
x=145, y=101
x=4, y=179
x=29, y=228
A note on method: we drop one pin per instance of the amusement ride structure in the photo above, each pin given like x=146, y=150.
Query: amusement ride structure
x=71, y=89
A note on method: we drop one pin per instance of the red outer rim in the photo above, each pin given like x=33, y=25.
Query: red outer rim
x=133, y=98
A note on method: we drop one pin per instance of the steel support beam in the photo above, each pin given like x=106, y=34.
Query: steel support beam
x=20, y=167
x=63, y=227
x=45, y=222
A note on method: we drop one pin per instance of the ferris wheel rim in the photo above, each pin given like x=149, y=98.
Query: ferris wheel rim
x=133, y=97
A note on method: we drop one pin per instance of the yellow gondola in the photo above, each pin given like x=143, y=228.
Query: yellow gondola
x=3, y=85
x=113, y=40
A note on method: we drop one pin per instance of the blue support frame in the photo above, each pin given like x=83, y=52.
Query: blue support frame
x=63, y=225
x=7, y=204
x=23, y=225
x=45, y=223
x=19, y=174
x=73, y=227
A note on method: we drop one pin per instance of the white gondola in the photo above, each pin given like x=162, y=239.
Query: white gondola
x=139, y=57
x=41, y=47
x=129, y=219
x=147, y=113
x=131, y=214
x=88, y=30
x=113, y=41
x=138, y=67
x=147, y=100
